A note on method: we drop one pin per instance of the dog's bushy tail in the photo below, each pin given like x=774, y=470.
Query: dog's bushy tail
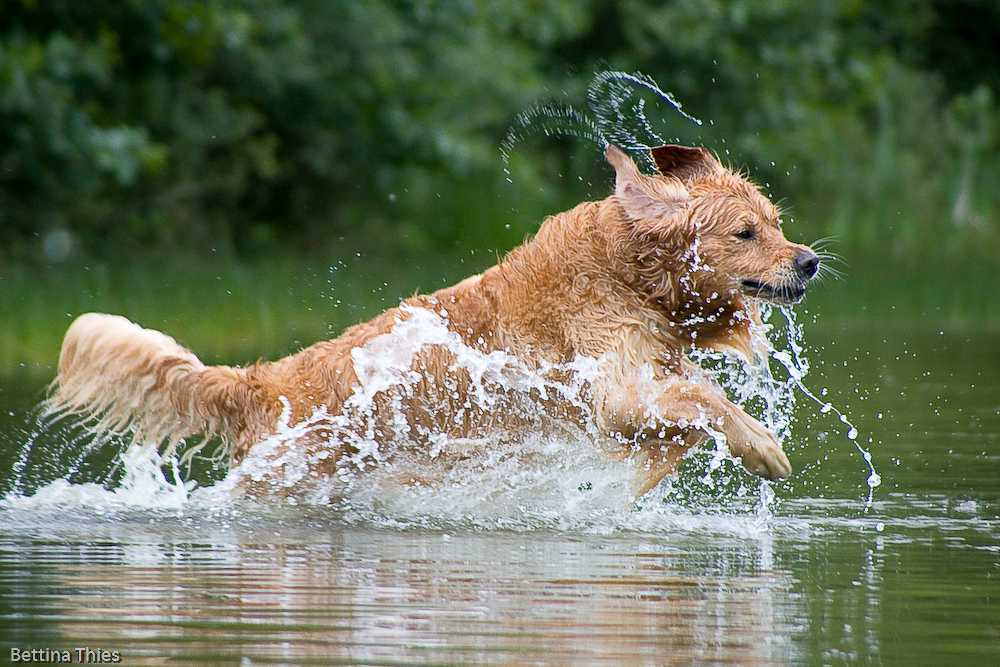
x=141, y=384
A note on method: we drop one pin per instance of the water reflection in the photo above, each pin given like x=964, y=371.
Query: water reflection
x=366, y=596
x=912, y=580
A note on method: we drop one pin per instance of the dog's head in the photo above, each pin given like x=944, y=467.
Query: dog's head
x=717, y=229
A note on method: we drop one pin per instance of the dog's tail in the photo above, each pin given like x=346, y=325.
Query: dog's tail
x=131, y=381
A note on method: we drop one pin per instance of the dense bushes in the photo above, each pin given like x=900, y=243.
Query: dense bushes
x=239, y=124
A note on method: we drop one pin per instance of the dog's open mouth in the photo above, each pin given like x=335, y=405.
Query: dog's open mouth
x=783, y=295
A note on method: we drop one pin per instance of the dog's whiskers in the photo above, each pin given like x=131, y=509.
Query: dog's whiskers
x=827, y=260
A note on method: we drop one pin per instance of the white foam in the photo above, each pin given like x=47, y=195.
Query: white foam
x=556, y=477
x=144, y=485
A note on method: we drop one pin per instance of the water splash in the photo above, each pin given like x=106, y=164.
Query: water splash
x=144, y=485
x=796, y=365
x=767, y=499
x=772, y=399
x=610, y=91
x=533, y=468
x=616, y=113
x=556, y=474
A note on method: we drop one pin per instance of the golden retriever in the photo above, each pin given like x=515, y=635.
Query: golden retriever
x=666, y=262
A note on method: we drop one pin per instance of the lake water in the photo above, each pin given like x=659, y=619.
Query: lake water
x=702, y=571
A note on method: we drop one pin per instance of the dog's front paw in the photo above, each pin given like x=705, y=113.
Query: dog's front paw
x=759, y=451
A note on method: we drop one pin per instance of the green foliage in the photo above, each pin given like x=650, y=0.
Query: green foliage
x=239, y=125
x=838, y=106
x=150, y=124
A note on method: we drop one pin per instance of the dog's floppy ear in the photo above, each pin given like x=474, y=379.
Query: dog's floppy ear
x=643, y=198
x=684, y=163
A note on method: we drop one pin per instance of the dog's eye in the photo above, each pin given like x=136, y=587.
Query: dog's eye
x=746, y=234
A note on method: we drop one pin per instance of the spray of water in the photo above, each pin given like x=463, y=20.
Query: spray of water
x=616, y=103
x=772, y=397
x=616, y=113
x=541, y=470
x=794, y=362
x=555, y=473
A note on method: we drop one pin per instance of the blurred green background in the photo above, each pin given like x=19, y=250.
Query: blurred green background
x=252, y=175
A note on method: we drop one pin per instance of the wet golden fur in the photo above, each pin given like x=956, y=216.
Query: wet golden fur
x=666, y=262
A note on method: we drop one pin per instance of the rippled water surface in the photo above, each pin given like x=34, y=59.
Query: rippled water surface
x=704, y=570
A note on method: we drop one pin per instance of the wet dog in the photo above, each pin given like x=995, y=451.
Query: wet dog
x=667, y=262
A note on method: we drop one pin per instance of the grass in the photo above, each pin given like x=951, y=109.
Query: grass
x=910, y=292
x=237, y=311
x=226, y=310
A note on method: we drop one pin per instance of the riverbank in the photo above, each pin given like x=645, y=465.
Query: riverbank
x=239, y=310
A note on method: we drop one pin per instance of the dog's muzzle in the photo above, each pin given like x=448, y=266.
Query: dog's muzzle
x=791, y=290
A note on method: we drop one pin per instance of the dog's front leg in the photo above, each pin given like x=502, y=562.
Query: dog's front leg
x=666, y=417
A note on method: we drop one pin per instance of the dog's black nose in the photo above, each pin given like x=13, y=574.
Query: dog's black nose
x=807, y=263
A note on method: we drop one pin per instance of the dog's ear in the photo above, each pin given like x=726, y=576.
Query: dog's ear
x=643, y=198
x=684, y=163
